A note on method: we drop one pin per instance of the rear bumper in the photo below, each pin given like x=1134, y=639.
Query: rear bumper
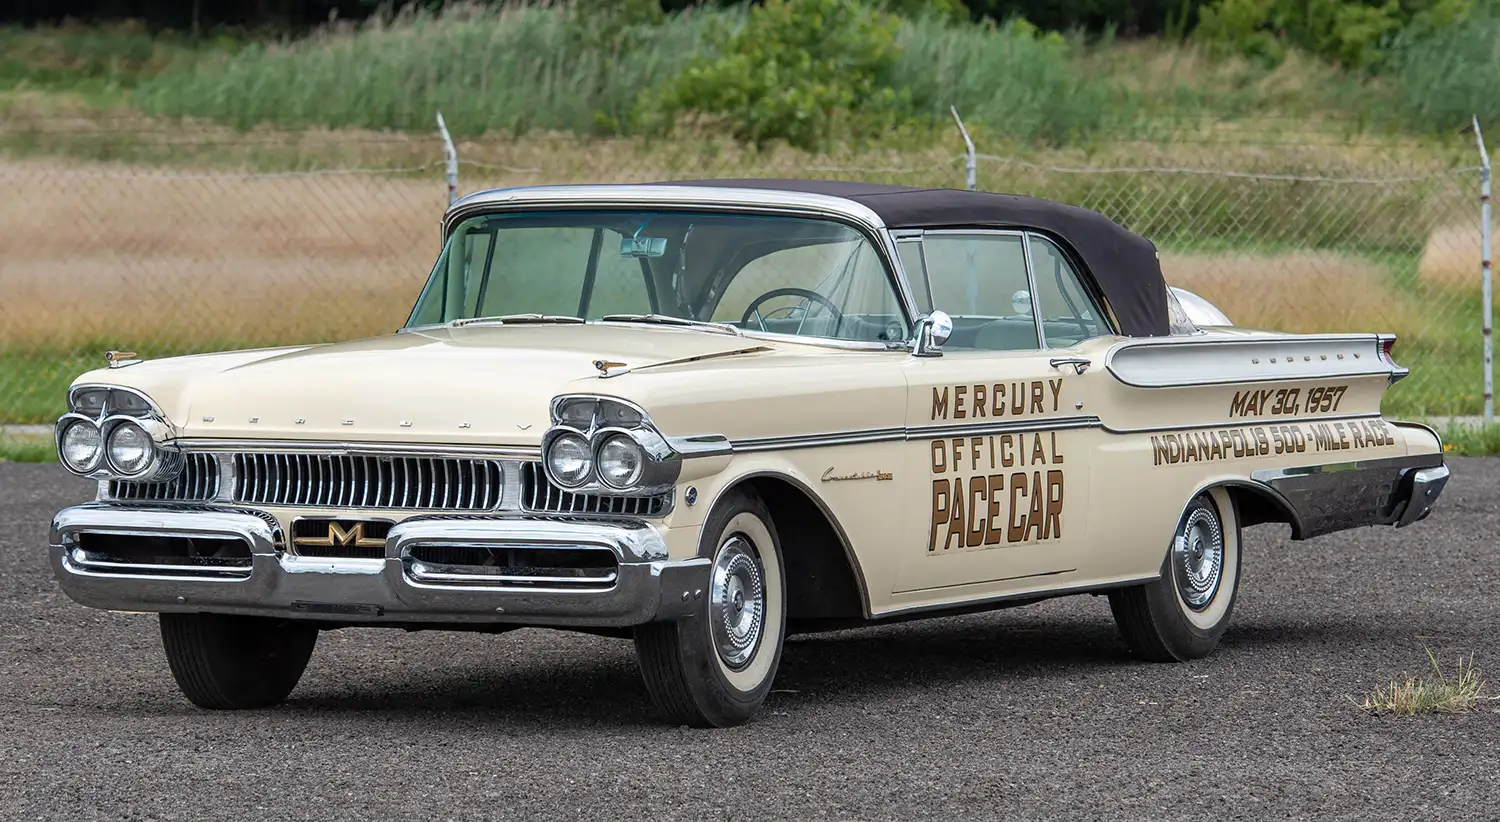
x=1327, y=498
x=642, y=586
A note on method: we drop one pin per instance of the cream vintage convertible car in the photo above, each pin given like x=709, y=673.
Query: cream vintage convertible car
x=708, y=414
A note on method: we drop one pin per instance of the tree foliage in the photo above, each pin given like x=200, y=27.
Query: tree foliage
x=790, y=70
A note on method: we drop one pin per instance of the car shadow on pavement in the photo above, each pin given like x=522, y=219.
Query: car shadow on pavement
x=848, y=665
x=533, y=689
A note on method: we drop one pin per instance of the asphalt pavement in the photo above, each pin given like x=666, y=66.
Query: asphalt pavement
x=1034, y=712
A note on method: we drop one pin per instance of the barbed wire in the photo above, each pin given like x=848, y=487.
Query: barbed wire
x=1246, y=175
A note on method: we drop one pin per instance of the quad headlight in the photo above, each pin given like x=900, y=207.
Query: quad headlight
x=621, y=461
x=569, y=460
x=129, y=449
x=80, y=445
x=606, y=446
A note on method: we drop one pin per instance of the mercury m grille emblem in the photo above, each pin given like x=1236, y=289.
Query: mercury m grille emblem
x=339, y=536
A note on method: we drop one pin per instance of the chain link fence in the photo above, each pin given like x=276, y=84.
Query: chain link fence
x=161, y=260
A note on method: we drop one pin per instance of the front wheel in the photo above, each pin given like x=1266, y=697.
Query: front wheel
x=1182, y=614
x=715, y=668
x=236, y=662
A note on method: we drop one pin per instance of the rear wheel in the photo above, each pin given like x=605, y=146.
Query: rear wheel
x=236, y=662
x=715, y=668
x=1182, y=614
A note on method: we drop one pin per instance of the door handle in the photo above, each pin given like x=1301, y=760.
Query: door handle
x=1079, y=364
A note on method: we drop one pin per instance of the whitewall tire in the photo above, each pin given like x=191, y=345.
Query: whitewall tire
x=1182, y=614
x=715, y=668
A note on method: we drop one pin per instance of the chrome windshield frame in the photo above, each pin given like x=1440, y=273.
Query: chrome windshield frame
x=688, y=198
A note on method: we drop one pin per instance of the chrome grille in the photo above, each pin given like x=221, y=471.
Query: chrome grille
x=539, y=494
x=198, y=482
x=343, y=481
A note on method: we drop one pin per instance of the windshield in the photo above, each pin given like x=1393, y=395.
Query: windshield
x=786, y=275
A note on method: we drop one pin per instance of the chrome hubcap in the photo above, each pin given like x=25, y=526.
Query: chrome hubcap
x=737, y=601
x=1198, y=559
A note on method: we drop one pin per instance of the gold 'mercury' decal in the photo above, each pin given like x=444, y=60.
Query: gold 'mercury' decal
x=995, y=490
x=1020, y=398
x=1269, y=440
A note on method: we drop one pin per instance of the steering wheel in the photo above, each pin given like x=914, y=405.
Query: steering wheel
x=753, y=310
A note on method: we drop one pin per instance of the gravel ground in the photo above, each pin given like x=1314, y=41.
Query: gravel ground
x=1030, y=713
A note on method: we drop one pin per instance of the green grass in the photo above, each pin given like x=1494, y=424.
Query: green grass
x=1435, y=693
x=521, y=70
x=26, y=448
x=1463, y=440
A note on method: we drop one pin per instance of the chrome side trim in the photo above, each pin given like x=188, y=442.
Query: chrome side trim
x=918, y=432
x=1172, y=362
x=1247, y=421
x=753, y=444
x=922, y=432
x=981, y=603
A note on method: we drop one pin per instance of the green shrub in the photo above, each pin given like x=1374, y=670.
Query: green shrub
x=1355, y=33
x=1447, y=74
x=789, y=72
x=1009, y=79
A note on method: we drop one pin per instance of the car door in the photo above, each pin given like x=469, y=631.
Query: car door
x=998, y=440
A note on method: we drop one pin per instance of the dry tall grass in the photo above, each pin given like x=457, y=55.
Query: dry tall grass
x=134, y=255
x=1451, y=258
x=131, y=255
x=1303, y=292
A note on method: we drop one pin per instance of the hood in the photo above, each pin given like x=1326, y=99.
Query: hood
x=480, y=385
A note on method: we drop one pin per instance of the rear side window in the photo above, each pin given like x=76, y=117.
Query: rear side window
x=1069, y=316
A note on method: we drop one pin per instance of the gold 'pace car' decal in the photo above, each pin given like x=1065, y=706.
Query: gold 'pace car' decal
x=981, y=400
x=1270, y=440
x=995, y=490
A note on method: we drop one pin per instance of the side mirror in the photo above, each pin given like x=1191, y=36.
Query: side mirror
x=932, y=331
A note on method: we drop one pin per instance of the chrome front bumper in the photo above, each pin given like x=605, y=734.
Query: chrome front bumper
x=644, y=586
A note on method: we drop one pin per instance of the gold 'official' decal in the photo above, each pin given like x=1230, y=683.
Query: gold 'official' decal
x=337, y=535
x=1013, y=491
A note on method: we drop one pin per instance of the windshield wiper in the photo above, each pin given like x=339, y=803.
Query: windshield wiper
x=518, y=319
x=663, y=319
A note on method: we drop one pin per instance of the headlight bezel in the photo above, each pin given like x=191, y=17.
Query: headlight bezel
x=598, y=420
x=164, y=461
